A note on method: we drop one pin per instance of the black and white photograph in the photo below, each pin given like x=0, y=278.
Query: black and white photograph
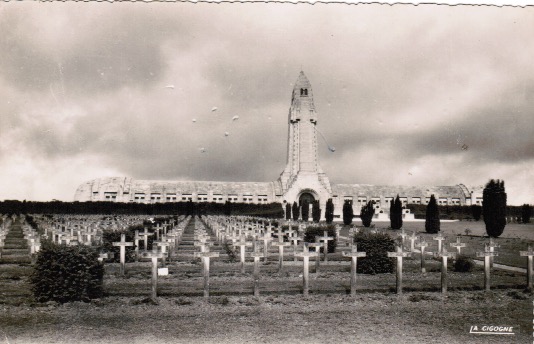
x=266, y=172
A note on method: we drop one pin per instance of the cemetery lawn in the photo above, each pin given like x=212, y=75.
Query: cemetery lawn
x=280, y=314
x=333, y=318
x=515, y=238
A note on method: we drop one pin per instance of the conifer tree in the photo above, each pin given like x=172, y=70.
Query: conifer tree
x=432, y=224
x=329, y=212
x=288, y=211
x=526, y=213
x=367, y=212
x=494, y=207
x=348, y=212
x=476, y=211
x=316, y=211
x=395, y=213
x=295, y=211
x=227, y=208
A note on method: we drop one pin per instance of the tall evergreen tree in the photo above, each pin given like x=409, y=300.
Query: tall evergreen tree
x=288, y=211
x=295, y=211
x=305, y=210
x=526, y=213
x=348, y=212
x=432, y=224
x=227, y=208
x=316, y=211
x=395, y=213
x=476, y=211
x=367, y=212
x=329, y=212
x=494, y=207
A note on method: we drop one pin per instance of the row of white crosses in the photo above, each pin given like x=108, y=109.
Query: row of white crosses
x=86, y=229
x=399, y=254
x=33, y=239
x=354, y=254
x=170, y=239
x=6, y=224
x=488, y=254
x=265, y=235
x=202, y=240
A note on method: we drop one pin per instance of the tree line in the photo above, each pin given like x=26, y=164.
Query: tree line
x=271, y=210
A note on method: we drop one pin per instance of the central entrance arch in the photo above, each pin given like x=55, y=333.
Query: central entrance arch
x=306, y=196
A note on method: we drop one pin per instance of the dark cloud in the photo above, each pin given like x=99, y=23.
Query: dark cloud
x=123, y=49
x=398, y=89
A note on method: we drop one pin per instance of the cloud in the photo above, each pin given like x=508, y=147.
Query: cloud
x=409, y=95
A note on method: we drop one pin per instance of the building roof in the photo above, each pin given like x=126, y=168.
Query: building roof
x=122, y=184
x=394, y=190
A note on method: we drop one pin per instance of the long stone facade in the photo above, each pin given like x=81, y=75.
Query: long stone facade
x=301, y=179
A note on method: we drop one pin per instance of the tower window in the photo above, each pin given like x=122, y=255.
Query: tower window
x=303, y=91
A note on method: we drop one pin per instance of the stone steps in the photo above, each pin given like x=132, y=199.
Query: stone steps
x=186, y=248
x=15, y=248
x=14, y=252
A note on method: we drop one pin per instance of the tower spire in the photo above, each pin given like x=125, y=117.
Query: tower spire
x=302, y=156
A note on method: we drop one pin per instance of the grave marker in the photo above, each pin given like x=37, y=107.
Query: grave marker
x=242, y=245
x=205, y=256
x=266, y=238
x=305, y=254
x=122, y=244
x=325, y=239
x=281, y=244
x=102, y=256
x=145, y=235
x=444, y=254
x=163, y=244
x=422, y=245
x=439, y=238
x=487, y=254
x=458, y=244
x=137, y=237
x=529, y=254
x=154, y=255
x=295, y=240
x=399, y=254
x=317, y=249
x=413, y=237
x=402, y=235
x=256, y=255
x=354, y=254
x=492, y=246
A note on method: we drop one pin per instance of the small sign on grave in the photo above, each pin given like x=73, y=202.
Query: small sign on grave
x=163, y=271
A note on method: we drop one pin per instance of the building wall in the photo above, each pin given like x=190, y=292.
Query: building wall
x=302, y=174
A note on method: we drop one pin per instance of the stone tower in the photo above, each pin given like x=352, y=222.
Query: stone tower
x=303, y=176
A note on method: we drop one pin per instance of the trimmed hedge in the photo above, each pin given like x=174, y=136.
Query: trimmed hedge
x=313, y=231
x=376, y=246
x=67, y=273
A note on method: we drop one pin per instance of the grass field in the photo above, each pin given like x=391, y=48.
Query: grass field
x=515, y=238
x=281, y=314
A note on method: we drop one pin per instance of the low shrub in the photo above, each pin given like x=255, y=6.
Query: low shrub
x=67, y=273
x=463, y=264
x=376, y=246
x=313, y=231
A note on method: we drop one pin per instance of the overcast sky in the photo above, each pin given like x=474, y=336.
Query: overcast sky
x=412, y=95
